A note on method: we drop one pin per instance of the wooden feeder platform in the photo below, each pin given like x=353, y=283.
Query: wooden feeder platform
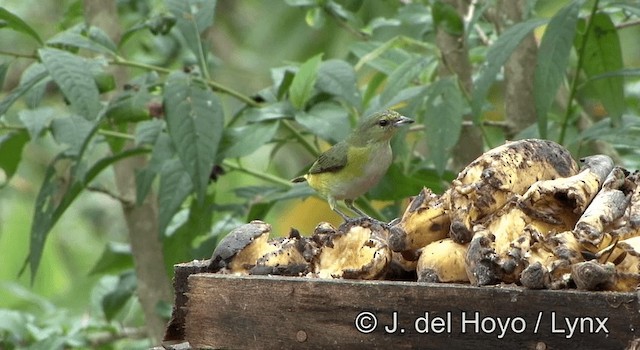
x=274, y=312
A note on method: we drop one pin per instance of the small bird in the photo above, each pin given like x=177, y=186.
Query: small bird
x=353, y=166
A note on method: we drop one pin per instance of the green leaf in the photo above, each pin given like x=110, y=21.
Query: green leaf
x=32, y=76
x=553, y=58
x=192, y=18
x=116, y=299
x=602, y=54
x=272, y=111
x=402, y=96
x=315, y=17
x=244, y=140
x=338, y=78
x=303, y=82
x=162, y=152
x=327, y=120
x=627, y=135
x=175, y=187
x=188, y=224
x=71, y=131
x=11, y=146
x=73, y=37
x=126, y=108
x=446, y=17
x=16, y=23
x=148, y=131
x=445, y=108
x=195, y=121
x=4, y=67
x=402, y=77
x=74, y=78
x=497, y=55
x=115, y=258
x=53, y=199
x=36, y=120
x=396, y=185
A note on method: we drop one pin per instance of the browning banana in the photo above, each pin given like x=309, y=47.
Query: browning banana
x=495, y=177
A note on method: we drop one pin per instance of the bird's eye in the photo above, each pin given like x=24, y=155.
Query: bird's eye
x=383, y=122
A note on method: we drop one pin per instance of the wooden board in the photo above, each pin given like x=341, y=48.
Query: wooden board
x=263, y=312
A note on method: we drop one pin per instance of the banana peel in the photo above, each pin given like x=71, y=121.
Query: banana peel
x=442, y=261
x=491, y=180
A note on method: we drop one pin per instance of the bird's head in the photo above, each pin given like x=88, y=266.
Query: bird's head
x=379, y=127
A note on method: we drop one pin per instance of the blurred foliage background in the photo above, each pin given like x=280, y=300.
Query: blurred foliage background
x=279, y=82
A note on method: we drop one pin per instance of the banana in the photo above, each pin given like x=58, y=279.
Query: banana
x=424, y=221
x=501, y=244
x=495, y=177
x=442, y=261
x=608, y=205
x=357, y=250
x=248, y=250
x=565, y=199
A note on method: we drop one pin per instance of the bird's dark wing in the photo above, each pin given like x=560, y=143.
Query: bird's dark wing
x=334, y=159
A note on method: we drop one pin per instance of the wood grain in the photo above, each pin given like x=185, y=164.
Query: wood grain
x=262, y=312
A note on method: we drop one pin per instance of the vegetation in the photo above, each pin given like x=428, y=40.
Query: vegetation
x=136, y=133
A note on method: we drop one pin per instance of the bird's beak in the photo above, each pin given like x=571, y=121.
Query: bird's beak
x=402, y=121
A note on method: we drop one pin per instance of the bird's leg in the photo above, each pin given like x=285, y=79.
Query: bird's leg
x=332, y=204
x=349, y=204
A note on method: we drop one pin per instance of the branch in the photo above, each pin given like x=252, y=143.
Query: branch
x=574, y=82
x=127, y=202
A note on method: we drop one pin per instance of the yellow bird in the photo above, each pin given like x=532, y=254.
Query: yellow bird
x=351, y=167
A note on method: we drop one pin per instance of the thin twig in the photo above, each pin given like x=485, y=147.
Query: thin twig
x=127, y=202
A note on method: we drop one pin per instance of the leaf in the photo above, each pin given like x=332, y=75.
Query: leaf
x=446, y=17
x=71, y=131
x=445, y=108
x=55, y=197
x=602, y=54
x=396, y=185
x=73, y=37
x=116, y=299
x=497, y=55
x=72, y=75
x=148, y=131
x=11, y=145
x=195, y=122
x=338, y=78
x=272, y=111
x=32, y=76
x=243, y=140
x=175, y=187
x=4, y=67
x=315, y=17
x=553, y=58
x=303, y=82
x=16, y=23
x=115, y=258
x=192, y=18
x=403, y=96
x=36, y=120
x=162, y=152
x=402, y=77
x=327, y=120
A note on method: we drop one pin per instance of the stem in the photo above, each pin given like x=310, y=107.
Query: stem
x=18, y=55
x=574, y=82
x=116, y=134
x=212, y=84
x=258, y=174
x=303, y=141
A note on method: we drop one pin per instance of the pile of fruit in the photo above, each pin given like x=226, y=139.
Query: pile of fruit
x=522, y=213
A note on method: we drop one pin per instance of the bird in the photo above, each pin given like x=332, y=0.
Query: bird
x=353, y=166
